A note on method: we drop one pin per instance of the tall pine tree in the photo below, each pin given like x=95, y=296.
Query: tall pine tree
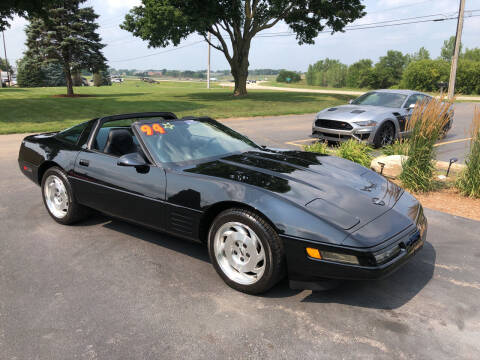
x=69, y=37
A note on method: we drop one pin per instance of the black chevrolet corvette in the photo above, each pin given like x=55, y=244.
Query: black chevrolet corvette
x=264, y=213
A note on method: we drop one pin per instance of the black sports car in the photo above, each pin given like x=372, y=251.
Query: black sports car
x=264, y=213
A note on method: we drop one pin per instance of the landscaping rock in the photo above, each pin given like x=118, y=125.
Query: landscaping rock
x=393, y=165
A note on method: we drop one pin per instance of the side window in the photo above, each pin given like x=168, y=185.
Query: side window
x=72, y=135
x=116, y=138
x=411, y=100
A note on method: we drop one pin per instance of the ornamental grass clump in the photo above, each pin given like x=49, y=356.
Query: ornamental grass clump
x=399, y=147
x=355, y=151
x=426, y=125
x=469, y=180
x=320, y=147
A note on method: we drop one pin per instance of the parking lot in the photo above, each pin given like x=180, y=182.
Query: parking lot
x=293, y=131
x=105, y=289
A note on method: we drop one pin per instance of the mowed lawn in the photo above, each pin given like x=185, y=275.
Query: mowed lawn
x=37, y=109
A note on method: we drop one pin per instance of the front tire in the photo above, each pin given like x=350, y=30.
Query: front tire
x=385, y=135
x=59, y=199
x=246, y=251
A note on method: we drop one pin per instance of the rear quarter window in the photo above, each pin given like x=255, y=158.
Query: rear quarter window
x=73, y=134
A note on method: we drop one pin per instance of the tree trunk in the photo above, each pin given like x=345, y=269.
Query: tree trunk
x=68, y=78
x=240, y=76
x=239, y=67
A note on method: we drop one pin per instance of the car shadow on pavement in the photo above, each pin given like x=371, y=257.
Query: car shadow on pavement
x=386, y=294
x=184, y=246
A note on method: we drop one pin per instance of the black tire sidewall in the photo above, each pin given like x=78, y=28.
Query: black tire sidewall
x=70, y=216
x=270, y=276
x=378, y=140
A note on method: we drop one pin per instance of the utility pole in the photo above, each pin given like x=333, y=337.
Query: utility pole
x=458, y=40
x=208, y=64
x=6, y=61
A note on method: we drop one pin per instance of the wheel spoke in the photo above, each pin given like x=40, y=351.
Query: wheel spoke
x=56, y=196
x=239, y=253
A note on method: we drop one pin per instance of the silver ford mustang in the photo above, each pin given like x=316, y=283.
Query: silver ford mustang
x=377, y=117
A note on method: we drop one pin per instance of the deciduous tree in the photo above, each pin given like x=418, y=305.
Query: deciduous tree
x=235, y=23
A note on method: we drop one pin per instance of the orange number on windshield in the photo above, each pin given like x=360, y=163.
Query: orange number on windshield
x=158, y=128
x=146, y=129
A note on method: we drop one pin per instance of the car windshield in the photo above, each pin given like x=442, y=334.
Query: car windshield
x=386, y=99
x=188, y=140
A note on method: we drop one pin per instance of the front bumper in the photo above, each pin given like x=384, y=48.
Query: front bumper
x=361, y=133
x=309, y=272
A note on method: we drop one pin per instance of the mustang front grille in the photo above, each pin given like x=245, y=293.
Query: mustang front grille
x=333, y=124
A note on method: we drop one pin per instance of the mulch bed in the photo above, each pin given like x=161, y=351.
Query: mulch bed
x=72, y=96
x=452, y=202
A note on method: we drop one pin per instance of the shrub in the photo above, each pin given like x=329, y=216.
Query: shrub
x=468, y=77
x=469, y=180
x=29, y=74
x=399, y=147
x=101, y=78
x=424, y=75
x=319, y=147
x=288, y=76
x=355, y=151
x=426, y=126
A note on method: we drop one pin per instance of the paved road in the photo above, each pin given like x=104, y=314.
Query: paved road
x=293, y=131
x=104, y=289
x=259, y=86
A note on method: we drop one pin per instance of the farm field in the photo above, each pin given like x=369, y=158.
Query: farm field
x=38, y=109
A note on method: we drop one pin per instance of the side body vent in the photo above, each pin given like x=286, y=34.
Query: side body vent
x=358, y=111
x=332, y=109
x=182, y=223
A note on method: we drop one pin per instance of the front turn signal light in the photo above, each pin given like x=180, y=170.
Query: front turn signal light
x=313, y=253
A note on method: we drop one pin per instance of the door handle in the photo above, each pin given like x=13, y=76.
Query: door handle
x=83, y=162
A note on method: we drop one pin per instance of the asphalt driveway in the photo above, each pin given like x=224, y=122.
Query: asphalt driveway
x=104, y=289
x=293, y=131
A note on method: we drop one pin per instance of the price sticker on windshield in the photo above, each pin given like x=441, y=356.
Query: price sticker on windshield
x=152, y=129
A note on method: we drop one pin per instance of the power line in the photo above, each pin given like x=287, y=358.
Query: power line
x=374, y=25
x=161, y=52
x=350, y=28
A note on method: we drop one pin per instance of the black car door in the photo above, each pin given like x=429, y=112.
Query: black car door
x=122, y=191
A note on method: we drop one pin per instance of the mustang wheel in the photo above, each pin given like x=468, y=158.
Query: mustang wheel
x=58, y=198
x=385, y=135
x=245, y=251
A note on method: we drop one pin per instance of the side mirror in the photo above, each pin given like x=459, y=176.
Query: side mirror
x=132, y=159
x=350, y=101
x=411, y=107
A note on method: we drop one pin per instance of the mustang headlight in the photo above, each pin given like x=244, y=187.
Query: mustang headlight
x=365, y=123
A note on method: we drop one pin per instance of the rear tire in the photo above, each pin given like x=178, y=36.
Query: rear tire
x=59, y=199
x=246, y=251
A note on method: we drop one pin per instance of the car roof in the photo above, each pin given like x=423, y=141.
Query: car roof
x=400, y=91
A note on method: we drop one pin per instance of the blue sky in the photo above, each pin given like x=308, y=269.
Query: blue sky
x=280, y=52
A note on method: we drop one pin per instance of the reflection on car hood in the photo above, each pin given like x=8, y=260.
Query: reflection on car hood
x=302, y=177
x=354, y=112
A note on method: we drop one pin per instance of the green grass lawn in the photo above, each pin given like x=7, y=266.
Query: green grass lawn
x=36, y=109
x=302, y=84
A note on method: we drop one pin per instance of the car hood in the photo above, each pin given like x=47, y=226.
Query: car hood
x=339, y=191
x=354, y=112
